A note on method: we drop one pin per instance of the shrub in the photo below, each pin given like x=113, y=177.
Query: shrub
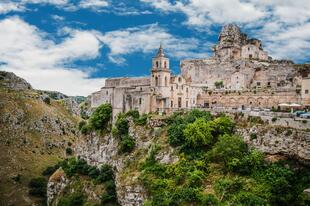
x=227, y=149
x=75, y=199
x=249, y=199
x=110, y=195
x=81, y=124
x=142, y=120
x=101, y=117
x=289, y=132
x=86, y=129
x=121, y=125
x=127, y=144
x=198, y=134
x=69, y=151
x=176, y=135
x=195, y=114
x=133, y=113
x=50, y=170
x=222, y=125
x=253, y=136
x=274, y=119
x=47, y=100
x=106, y=174
x=37, y=187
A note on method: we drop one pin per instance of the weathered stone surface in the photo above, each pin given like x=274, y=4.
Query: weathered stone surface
x=56, y=184
x=11, y=81
x=279, y=140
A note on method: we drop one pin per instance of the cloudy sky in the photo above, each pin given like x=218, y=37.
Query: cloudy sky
x=73, y=45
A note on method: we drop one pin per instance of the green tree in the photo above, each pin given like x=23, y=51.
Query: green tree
x=227, y=149
x=198, y=134
x=127, y=144
x=101, y=117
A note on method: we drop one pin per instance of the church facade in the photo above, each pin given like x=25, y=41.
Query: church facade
x=161, y=92
x=240, y=74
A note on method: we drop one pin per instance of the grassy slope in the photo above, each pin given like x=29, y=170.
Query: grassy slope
x=26, y=151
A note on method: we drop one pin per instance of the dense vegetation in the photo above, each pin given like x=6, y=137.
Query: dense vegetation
x=104, y=175
x=75, y=169
x=98, y=121
x=216, y=167
x=121, y=127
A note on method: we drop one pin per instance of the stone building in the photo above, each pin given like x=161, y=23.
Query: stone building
x=240, y=74
x=161, y=92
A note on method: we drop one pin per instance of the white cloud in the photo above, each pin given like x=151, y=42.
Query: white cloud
x=57, y=17
x=94, y=4
x=205, y=12
x=7, y=6
x=146, y=39
x=283, y=25
x=27, y=52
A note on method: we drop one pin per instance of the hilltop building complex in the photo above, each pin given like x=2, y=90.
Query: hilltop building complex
x=240, y=74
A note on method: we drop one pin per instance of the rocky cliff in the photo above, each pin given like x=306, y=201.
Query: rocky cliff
x=104, y=150
x=34, y=134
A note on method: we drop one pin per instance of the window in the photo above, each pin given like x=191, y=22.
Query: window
x=180, y=102
x=248, y=48
x=182, y=87
x=171, y=88
x=156, y=81
x=140, y=101
x=171, y=104
x=165, y=65
x=107, y=92
x=269, y=84
x=258, y=83
x=166, y=82
x=180, y=79
x=186, y=103
x=187, y=89
x=156, y=64
x=306, y=91
x=177, y=86
x=250, y=56
x=140, y=88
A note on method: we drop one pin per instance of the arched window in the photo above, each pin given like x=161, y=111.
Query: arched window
x=156, y=64
x=180, y=79
x=166, y=82
x=156, y=81
x=165, y=64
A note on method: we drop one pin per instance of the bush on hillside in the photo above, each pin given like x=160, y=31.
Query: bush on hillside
x=37, y=187
x=127, y=144
x=101, y=117
x=198, y=134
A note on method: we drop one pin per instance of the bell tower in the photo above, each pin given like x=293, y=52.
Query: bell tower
x=160, y=69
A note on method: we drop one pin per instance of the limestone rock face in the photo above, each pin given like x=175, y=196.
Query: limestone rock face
x=56, y=184
x=104, y=150
x=11, y=81
x=279, y=140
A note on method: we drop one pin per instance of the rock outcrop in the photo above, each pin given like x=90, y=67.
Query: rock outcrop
x=279, y=140
x=104, y=150
x=56, y=184
x=11, y=81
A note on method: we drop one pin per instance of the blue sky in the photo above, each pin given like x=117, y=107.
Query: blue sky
x=73, y=45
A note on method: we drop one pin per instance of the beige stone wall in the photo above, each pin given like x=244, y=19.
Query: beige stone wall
x=251, y=51
x=274, y=74
x=260, y=99
x=305, y=91
x=127, y=82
